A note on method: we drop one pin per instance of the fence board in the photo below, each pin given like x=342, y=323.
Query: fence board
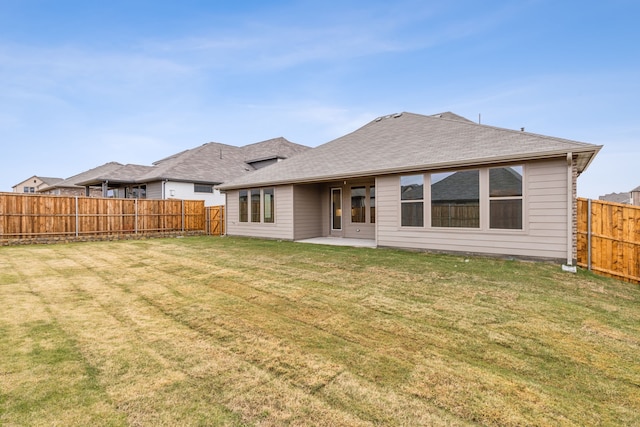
x=34, y=216
x=615, y=239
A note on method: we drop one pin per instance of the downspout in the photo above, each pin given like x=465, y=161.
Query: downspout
x=570, y=209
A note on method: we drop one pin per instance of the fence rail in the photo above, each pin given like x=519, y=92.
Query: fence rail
x=24, y=217
x=609, y=239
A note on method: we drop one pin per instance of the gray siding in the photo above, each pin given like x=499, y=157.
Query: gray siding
x=544, y=231
x=282, y=228
x=154, y=190
x=308, y=211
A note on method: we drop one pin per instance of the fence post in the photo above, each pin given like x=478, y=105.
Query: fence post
x=589, y=234
x=207, y=230
x=135, y=227
x=77, y=218
x=183, y=215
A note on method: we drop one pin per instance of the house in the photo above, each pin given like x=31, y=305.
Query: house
x=34, y=184
x=630, y=198
x=635, y=196
x=72, y=187
x=624, y=197
x=440, y=183
x=190, y=174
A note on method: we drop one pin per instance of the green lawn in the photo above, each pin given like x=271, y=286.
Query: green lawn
x=229, y=331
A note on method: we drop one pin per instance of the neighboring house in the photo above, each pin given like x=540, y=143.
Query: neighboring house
x=617, y=197
x=35, y=184
x=71, y=186
x=630, y=198
x=191, y=174
x=513, y=192
x=635, y=196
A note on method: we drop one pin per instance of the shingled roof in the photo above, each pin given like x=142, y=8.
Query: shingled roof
x=119, y=175
x=408, y=142
x=210, y=163
x=75, y=180
x=217, y=163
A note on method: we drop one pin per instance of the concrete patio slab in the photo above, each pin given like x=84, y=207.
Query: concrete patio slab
x=340, y=241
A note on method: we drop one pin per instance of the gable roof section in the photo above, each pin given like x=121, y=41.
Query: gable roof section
x=45, y=180
x=407, y=142
x=276, y=148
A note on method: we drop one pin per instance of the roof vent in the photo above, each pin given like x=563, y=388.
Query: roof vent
x=396, y=115
x=521, y=129
x=378, y=119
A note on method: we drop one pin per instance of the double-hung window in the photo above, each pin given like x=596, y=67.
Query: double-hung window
x=412, y=200
x=505, y=198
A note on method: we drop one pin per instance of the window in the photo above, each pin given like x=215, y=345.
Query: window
x=255, y=205
x=505, y=198
x=455, y=199
x=202, y=188
x=29, y=189
x=243, y=206
x=358, y=210
x=268, y=206
x=259, y=204
x=412, y=200
x=336, y=209
x=372, y=203
x=137, y=192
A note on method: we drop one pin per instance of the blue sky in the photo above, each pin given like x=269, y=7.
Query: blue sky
x=84, y=83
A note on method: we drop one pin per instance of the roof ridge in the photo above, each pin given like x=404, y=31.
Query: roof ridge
x=515, y=131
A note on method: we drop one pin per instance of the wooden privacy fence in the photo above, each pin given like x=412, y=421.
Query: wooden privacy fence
x=609, y=239
x=24, y=217
x=214, y=220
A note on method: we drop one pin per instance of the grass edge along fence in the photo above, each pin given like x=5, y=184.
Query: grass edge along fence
x=609, y=239
x=40, y=218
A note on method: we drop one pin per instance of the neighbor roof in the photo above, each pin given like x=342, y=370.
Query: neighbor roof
x=45, y=180
x=211, y=163
x=217, y=163
x=406, y=142
x=122, y=174
x=616, y=197
x=50, y=180
x=73, y=182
